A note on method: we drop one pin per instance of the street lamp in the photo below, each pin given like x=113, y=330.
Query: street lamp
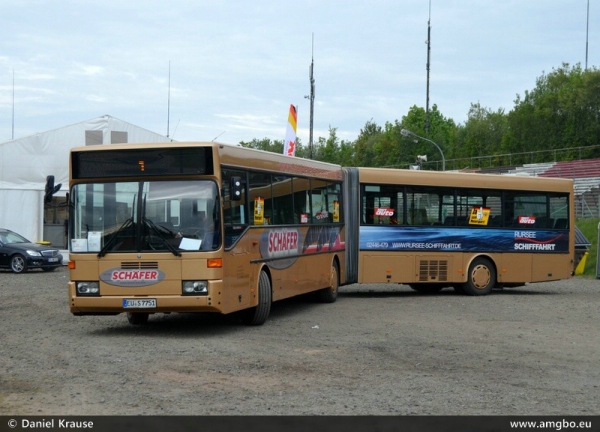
x=407, y=133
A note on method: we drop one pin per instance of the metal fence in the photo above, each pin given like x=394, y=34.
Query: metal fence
x=510, y=159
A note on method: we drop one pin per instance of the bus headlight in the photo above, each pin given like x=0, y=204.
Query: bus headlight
x=88, y=288
x=195, y=287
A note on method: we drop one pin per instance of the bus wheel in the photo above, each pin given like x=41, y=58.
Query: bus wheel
x=258, y=315
x=329, y=294
x=138, y=318
x=481, y=278
x=427, y=288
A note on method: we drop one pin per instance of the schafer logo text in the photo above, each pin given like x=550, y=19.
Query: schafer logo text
x=282, y=243
x=132, y=278
x=281, y=247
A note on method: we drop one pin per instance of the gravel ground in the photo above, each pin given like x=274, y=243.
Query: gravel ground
x=379, y=350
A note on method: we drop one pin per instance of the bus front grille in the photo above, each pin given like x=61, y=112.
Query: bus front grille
x=433, y=271
x=133, y=265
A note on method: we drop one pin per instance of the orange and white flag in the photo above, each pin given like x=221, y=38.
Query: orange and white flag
x=289, y=148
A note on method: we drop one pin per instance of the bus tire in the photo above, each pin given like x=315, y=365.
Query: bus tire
x=329, y=294
x=427, y=288
x=481, y=278
x=138, y=318
x=258, y=315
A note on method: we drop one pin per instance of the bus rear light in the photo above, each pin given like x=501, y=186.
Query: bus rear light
x=214, y=263
x=88, y=288
x=71, y=265
x=195, y=287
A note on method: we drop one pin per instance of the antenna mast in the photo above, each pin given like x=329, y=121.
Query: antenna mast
x=587, y=31
x=312, y=99
x=428, y=64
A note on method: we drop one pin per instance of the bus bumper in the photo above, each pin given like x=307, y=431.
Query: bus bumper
x=113, y=304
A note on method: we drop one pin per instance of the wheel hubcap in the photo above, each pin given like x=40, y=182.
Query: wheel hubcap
x=333, y=280
x=481, y=277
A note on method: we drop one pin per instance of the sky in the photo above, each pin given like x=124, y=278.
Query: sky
x=228, y=70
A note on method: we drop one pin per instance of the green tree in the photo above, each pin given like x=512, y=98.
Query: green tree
x=442, y=131
x=275, y=146
x=364, y=146
x=481, y=135
x=328, y=150
x=562, y=111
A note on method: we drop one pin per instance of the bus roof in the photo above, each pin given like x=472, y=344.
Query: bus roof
x=242, y=157
x=269, y=161
x=461, y=179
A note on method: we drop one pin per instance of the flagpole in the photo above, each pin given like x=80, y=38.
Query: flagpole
x=169, y=100
x=13, y=108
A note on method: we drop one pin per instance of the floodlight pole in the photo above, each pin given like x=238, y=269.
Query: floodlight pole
x=407, y=133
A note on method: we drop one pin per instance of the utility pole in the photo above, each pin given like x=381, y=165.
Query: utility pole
x=428, y=67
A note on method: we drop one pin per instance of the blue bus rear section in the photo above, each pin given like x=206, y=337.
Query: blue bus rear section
x=432, y=239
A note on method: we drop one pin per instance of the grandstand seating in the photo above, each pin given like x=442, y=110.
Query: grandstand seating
x=532, y=169
x=585, y=174
x=584, y=168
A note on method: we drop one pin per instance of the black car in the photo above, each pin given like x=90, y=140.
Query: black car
x=19, y=254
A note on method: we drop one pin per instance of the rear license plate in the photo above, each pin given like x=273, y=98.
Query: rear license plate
x=139, y=303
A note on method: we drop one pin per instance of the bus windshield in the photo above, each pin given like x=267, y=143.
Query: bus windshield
x=149, y=216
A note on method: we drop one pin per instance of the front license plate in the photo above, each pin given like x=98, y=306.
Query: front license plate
x=139, y=303
x=52, y=259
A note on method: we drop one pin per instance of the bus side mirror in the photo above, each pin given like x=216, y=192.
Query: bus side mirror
x=50, y=189
x=236, y=188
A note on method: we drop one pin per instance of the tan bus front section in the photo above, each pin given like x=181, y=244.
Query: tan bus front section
x=146, y=276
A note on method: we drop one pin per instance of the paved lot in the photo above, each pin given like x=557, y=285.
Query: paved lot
x=378, y=350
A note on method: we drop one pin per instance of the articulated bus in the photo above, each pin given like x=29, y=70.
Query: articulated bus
x=200, y=227
x=208, y=227
x=472, y=232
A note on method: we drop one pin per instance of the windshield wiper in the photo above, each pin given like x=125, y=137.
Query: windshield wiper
x=109, y=243
x=155, y=229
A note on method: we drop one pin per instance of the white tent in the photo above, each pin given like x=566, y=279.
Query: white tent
x=26, y=162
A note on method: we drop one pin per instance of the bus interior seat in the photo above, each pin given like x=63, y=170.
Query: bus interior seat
x=449, y=221
x=420, y=217
x=462, y=221
x=166, y=225
x=561, y=223
x=543, y=222
x=495, y=221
